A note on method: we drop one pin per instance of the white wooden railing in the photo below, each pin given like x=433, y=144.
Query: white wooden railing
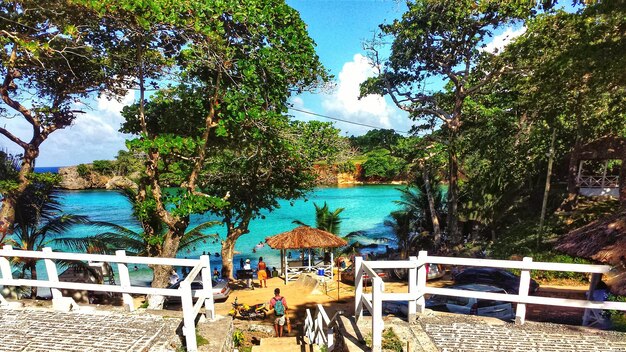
x=319, y=329
x=597, y=181
x=294, y=272
x=190, y=310
x=417, y=288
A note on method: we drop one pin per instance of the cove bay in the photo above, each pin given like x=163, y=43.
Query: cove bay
x=365, y=209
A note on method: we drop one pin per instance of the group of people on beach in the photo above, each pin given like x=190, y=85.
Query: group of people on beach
x=262, y=271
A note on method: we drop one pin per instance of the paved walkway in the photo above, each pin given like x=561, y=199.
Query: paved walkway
x=45, y=330
x=455, y=334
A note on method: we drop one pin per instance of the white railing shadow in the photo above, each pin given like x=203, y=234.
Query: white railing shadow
x=199, y=266
x=372, y=302
x=319, y=329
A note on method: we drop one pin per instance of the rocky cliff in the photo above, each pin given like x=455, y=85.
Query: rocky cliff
x=71, y=179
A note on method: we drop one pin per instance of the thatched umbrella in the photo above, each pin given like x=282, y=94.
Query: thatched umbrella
x=303, y=237
x=603, y=240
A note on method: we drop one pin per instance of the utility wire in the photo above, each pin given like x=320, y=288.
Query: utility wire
x=342, y=120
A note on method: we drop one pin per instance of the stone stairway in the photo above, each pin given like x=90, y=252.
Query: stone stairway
x=285, y=344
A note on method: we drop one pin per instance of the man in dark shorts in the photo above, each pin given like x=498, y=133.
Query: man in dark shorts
x=279, y=304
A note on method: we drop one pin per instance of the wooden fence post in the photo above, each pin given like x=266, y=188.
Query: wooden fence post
x=422, y=259
x=377, y=314
x=358, y=288
x=207, y=286
x=189, y=319
x=125, y=281
x=53, y=276
x=412, y=290
x=524, y=285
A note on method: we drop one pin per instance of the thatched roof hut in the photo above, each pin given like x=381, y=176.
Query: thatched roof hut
x=305, y=237
x=603, y=240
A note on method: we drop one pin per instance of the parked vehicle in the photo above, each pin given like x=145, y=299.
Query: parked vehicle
x=474, y=306
x=433, y=271
x=221, y=291
x=494, y=277
x=347, y=275
x=257, y=311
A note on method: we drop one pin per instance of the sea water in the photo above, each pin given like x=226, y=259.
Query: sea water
x=365, y=210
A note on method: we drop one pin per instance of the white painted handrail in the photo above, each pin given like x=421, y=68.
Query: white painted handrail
x=319, y=329
x=372, y=302
x=199, y=266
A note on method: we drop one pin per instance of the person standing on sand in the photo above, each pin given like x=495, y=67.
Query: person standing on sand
x=279, y=304
x=262, y=273
x=248, y=274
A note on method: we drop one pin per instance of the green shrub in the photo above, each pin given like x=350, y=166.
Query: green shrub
x=104, y=167
x=348, y=167
x=83, y=170
x=391, y=341
x=238, y=338
x=381, y=164
x=618, y=318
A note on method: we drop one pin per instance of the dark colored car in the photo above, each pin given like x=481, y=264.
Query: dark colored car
x=221, y=291
x=474, y=306
x=347, y=275
x=494, y=277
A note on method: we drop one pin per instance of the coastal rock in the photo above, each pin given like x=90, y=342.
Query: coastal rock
x=120, y=182
x=71, y=179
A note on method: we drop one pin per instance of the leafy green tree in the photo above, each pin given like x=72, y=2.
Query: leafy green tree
x=376, y=139
x=238, y=69
x=382, y=165
x=52, y=57
x=322, y=141
x=441, y=40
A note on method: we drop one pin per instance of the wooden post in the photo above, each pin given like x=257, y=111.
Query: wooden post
x=377, y=314
x=5, y=264
x=595, y=279
x=524, y=285
x=546, y=191
x=207, y=286
x=422, y=257
x=53, y=276
x=358, y=288
x=122, y=268
x=189, y=320
x=413, y=290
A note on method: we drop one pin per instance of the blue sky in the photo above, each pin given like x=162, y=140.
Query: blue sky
x=338, y=27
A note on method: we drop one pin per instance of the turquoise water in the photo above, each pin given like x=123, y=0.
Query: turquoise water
x=366, y=208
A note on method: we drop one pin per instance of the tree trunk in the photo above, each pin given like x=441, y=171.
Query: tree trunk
x=622, y=183
x=9, y=202
x=161, y=273
x=228, y=252
x=33, y=276
x=431, y=206
x=453, y=198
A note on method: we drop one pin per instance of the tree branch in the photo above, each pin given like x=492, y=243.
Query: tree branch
x=13, y=138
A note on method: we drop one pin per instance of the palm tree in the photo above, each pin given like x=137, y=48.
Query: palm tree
x=38, y=223
x=325, y=219
x=416, y=203
x=136, y=242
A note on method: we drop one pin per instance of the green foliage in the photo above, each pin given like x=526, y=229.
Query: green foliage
x=201, y=340
x=321, y=141
x=348, y=167
x=618, y=317
x=83, y=170
x=391, y=341
x=376, y=139
x=238, y=338
x=104, y=167
x=382, y=165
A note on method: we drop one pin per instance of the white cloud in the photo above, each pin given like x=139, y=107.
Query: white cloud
x=344, y=103
x=500, y=41
x=93, y=135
